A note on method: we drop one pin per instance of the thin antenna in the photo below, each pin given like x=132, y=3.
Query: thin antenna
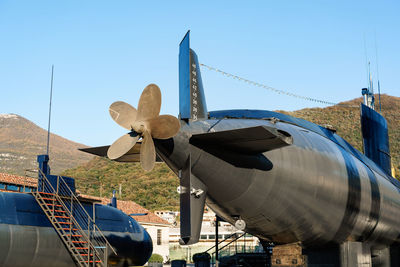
x=366, y=62
x=377, y=75
x=371, y=83
x=51, y=95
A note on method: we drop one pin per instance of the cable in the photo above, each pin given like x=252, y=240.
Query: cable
x=274, y=89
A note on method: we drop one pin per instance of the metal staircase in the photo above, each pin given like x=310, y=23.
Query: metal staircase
x=75, y=227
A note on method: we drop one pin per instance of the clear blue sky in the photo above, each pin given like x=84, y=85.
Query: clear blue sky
x=105, y=51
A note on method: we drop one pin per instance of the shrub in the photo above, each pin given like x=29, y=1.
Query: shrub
x=156, y=258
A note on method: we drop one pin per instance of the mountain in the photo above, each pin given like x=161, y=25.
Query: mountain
x=157, y=189
x=21, y=141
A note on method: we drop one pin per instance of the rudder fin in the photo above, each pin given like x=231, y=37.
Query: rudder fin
x=192, y=103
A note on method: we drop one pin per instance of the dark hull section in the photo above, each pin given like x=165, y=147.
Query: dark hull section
x=22, y=245
x=314, y=191
x=28, y=239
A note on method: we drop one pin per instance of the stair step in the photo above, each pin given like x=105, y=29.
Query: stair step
x=79, y=242
x=56, y=205
x=62, y=211
x=85, y=254
x=91, y=261
x=62, y=217
x=73, y=235
x=65, y=222
x=46, y=198
x=46, y=193
x=67, y=229
x=81, y=248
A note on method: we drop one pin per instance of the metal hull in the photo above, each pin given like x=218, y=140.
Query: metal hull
x=28, y=239
x=22, y=245
x=312, y=191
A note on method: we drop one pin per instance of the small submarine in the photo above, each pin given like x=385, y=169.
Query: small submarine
x=29, y=238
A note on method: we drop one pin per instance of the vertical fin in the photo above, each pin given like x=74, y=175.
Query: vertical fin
x=375, y=138
x=192, y=201
x=192, y=104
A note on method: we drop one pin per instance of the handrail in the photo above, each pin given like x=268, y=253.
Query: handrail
x=47, y=185
x=90, y=218
x=79, y=218
x=240, y=236
x=234, y=234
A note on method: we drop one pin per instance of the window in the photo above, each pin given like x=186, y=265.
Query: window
x=12, y=187
x=203, y=237
x=27, y=189
x=211, y=236
x=2, y=186
x=159, y=236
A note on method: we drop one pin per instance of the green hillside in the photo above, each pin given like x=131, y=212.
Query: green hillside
x=157, y=189
x=347, y=122
x=153, y=190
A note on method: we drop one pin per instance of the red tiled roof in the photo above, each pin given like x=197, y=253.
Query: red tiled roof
x=127, y=207
x=19, y=180
x=130, y=207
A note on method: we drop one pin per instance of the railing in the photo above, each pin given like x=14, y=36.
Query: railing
x=237, y=244
x=235, y=238
x=98, y=246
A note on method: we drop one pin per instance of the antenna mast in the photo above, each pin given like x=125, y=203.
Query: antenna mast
x=377, y=75
x=51, y=95
x=368, y=93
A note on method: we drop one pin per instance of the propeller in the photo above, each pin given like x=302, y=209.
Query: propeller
x=145, y=123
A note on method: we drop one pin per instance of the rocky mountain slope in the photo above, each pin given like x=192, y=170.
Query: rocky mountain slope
x=21, y=141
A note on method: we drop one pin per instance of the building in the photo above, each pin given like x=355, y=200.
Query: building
x=226, y=233
x=157, y=227
x=169, y=216
x=15, y=183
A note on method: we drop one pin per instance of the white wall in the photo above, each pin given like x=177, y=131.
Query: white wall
x=163, y=248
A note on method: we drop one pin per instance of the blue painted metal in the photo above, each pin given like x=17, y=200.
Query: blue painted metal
x=375, y=138
x=113, y=200
x=43, y=161
x=131, y=241
x=184, y=78
x=22, y=209
x=128, y=237
x=44, y=168
x=192, y=104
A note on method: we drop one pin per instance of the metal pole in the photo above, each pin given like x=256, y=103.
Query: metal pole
x=51, y=94
x=244, y=243
x=216, y=240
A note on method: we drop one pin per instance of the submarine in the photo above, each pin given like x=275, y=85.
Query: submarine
x=277, y=177
x=29, y=238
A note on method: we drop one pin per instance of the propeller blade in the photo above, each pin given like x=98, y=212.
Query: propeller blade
x=164, y=126
x=147, y=152
x=123, y=114
x=122, y=145
x=149, y=103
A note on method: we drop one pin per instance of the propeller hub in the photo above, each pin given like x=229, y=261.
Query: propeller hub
x=139, y=126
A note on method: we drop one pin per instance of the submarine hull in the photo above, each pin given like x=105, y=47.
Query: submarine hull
x=28, y=239
x=314, y=190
